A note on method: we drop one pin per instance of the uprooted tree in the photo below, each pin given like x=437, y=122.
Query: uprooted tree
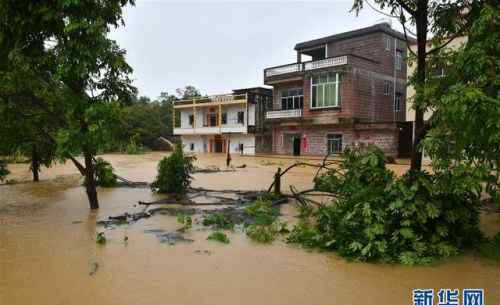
x=57, y=59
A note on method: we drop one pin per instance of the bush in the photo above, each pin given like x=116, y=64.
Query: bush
x=174, y=173
x=104, y=175
x=412, y=220
x=185, y=220
x=3, y=170
x=219, y=236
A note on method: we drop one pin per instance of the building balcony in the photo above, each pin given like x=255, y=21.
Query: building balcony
x=210, y=101
x=284, y=114
x=296, y=68
x=215, y=130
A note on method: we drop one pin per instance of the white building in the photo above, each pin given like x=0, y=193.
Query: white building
x=211, y=124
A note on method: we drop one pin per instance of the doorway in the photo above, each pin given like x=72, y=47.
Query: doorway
x=219, y=146
x=296, y=146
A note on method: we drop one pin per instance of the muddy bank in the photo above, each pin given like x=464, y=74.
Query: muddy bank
x=48, y=253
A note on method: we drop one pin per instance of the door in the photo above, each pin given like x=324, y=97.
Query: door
x=296, y=146
x=218, y=146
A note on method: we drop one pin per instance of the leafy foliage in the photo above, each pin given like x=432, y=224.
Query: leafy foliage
x=185, y=220
x=219, y=236
x=262, y=212
x=100, y=238
x=266, y=233
x=375, y=216
x=465, y=126
x=491, y=248
x=174, y=173
x=104, y=175
x=3, y=170
x=218, y=220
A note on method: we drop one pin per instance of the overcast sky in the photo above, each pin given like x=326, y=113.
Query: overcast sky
x=219, y=46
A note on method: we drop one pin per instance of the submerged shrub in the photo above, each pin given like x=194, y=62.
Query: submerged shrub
x=219, y=236
x=218, y=220
x=491, y=248
x=174, y=173
x=185, y=220
x=100, y=238
x=3, y=170
x=375, y=216
x=104, y=175
x=266, y=233
x=262, y=212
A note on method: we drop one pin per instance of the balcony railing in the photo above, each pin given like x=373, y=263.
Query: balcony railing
x=306, y=66
x=327, y=62
x=282, y=114
x=212, y=99
x=284, y=69
x=238, y=128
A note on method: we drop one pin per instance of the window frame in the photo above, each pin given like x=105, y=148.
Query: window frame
x=242, y=113
x=387, y=43
x=296, y=100
x=223, y=118
x=399, y=60
x=191, y=120
x=398, y=96
x=332, y=137
x=337, y=90
x=387, y=88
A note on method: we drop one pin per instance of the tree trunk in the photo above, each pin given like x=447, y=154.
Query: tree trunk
x=90, y=183
x=35, y=165
x=421, y=24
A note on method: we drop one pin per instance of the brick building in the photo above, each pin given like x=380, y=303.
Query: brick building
x=343, y=89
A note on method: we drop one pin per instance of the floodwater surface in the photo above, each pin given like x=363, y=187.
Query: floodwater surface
x=48, y=253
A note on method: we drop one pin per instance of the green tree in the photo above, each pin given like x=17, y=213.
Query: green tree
x=188, y=92
x=465, y=126
x=58, y=59
x=445, y=20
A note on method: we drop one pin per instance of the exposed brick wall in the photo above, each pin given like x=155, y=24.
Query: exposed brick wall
x=383, y=135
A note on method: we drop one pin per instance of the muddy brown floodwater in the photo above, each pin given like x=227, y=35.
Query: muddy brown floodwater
x=48, y=253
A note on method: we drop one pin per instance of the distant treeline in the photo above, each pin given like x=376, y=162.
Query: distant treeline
x=144, y=120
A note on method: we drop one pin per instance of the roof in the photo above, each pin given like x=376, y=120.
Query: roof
x=381, y=27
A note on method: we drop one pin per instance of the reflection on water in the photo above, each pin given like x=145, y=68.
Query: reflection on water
x=48, y=253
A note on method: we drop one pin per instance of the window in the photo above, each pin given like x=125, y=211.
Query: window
x=223, y=118
x=387, y=87
x=387, y=43
x=438, y=72
x=292, y=99
x=399, y=59
x=334, y=143
x=241, y=117
x=191, y=120
x=325, y=90
x=191, y=146
x=397, y=102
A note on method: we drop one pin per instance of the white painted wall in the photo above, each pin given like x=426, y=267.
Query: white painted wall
x=200, y=144
x=251, y=114
x=248, y=142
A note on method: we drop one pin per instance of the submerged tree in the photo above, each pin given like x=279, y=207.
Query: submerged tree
x=76, y=74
